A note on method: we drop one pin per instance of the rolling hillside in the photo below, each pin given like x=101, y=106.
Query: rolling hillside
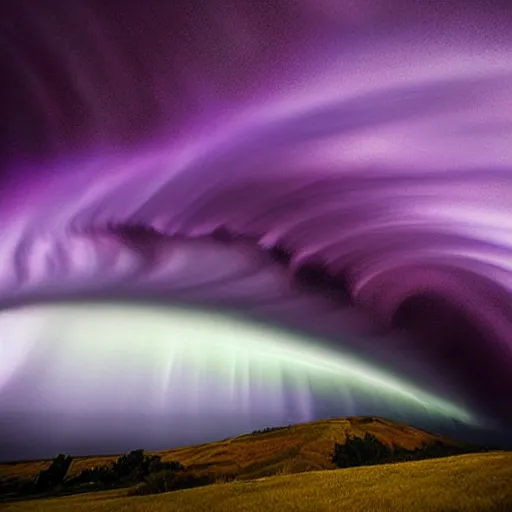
x=464, y=483
x=287, y=450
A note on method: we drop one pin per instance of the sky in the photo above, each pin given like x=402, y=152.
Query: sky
x=217, y=216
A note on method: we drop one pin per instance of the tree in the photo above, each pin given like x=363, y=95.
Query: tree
x=55, y=474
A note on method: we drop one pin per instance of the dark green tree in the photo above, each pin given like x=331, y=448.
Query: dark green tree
x=53, y=476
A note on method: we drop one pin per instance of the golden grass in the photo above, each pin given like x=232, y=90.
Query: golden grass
x=467, y=483
x=304, y=447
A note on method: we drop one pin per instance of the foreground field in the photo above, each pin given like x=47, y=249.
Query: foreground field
x=467, y=483
x=299, y=448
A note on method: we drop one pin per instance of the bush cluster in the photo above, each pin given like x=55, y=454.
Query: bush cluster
x=129, y=468
x=368, y=450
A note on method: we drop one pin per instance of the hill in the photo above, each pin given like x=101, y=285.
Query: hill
x=465, y=483
x=280, y=450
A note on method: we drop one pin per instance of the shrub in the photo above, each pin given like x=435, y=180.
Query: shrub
x=166, y=480
x=99, y=475
x=130, y=466
x=225, y=478
x=360, y=451
x=26, y=486
x=17, y=486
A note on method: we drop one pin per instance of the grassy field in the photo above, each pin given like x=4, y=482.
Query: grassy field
x=467, y=483
x=304, y=447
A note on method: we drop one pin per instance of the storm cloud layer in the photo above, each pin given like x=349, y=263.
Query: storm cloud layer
x=337, y=169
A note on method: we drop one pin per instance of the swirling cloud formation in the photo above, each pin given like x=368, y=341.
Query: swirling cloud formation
x=338, y=170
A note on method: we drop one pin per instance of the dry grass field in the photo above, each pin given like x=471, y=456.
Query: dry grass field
x=467, y=483
x=299, y=448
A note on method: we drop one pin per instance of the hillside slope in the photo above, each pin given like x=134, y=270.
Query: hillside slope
x=464, y=483
x=287, y=450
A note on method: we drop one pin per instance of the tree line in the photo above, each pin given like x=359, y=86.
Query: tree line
x=369, y=450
